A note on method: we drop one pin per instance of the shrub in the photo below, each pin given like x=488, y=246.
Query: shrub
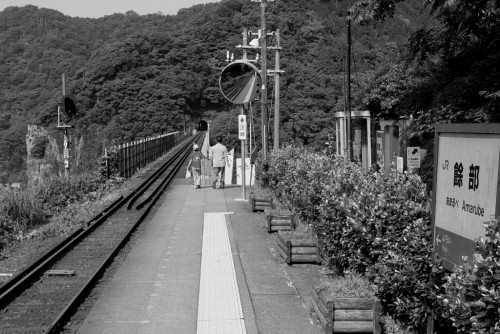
x=472, y=297
x=7, y=231
x=408, y=276
x=379, y=225
x=296, y=176
x=21, y=208
x=262, y=171
x=57, y=192
x=370, y=223
x=349, y=285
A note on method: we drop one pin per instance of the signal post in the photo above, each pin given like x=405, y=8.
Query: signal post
x=68, y=108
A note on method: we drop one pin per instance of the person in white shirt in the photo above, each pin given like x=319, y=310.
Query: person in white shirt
x=218, y=155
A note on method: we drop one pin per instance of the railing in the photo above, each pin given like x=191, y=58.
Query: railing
x=126, y=159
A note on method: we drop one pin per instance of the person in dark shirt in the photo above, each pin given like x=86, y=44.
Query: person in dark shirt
x=195, y=165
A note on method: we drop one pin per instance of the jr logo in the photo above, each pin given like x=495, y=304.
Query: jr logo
x=445, y=164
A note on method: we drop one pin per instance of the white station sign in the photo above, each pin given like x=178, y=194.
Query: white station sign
x=466, y=188
x=242, y=127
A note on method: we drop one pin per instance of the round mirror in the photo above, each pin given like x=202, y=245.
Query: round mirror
x=240, y=82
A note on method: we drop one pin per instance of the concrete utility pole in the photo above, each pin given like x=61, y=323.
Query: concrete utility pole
x=263, y=92
x=262, y=44
x=277, y=93
x=348, y=104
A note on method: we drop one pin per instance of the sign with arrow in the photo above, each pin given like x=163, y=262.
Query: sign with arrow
x=413, y=157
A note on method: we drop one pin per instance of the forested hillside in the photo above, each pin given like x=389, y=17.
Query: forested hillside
x=133, y=76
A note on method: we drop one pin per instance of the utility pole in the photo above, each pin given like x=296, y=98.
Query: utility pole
x=349, y=141
x=263, y=92
x=261, y=43
x=277, y=92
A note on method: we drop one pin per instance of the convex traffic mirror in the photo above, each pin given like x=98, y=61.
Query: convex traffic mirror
x=240, y=82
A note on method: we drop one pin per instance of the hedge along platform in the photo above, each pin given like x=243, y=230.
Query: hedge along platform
x=260, y=203
x=346, y=315
x=294, y=249
x=280, y=223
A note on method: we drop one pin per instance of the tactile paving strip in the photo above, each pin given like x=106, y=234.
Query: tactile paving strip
x=219, y=305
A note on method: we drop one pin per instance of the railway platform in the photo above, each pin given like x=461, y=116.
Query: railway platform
x=205, y=264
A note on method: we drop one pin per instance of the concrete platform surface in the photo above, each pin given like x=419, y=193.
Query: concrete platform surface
x=157, y=288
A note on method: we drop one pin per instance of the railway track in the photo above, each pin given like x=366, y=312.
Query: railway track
x=41, y=298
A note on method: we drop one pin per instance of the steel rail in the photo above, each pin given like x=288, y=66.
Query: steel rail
x=21, y=278
x=80, y=296
x=139, y=192
x=9, y=289
x=12, y=287
x=166, y=181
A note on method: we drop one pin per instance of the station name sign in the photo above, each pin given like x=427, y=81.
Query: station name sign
x=466, y=177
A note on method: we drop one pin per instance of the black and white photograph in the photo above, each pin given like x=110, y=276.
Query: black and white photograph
x=249, y=166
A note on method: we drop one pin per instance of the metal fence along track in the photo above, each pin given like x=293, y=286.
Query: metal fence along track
x=43, y=297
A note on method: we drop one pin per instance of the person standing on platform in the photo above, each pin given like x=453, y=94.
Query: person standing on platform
x=218, y=155
x=195, y=165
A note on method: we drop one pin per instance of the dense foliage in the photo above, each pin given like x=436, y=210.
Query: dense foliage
x=452, y=65
x=379, y=225
x=134, y=76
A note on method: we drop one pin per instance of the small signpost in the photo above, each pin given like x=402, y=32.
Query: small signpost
x=242, y=127
x=413, y=157
x=466, y=187
x=242, y=135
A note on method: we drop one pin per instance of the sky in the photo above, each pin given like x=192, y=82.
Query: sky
x=99, y=8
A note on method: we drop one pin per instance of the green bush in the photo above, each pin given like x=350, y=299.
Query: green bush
x=349, y=285
x=7, y=231
x=262, y=171
x=379, y=225
x=472, y=296
x=57, y=192
x=371, y=223
x=295, y=176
